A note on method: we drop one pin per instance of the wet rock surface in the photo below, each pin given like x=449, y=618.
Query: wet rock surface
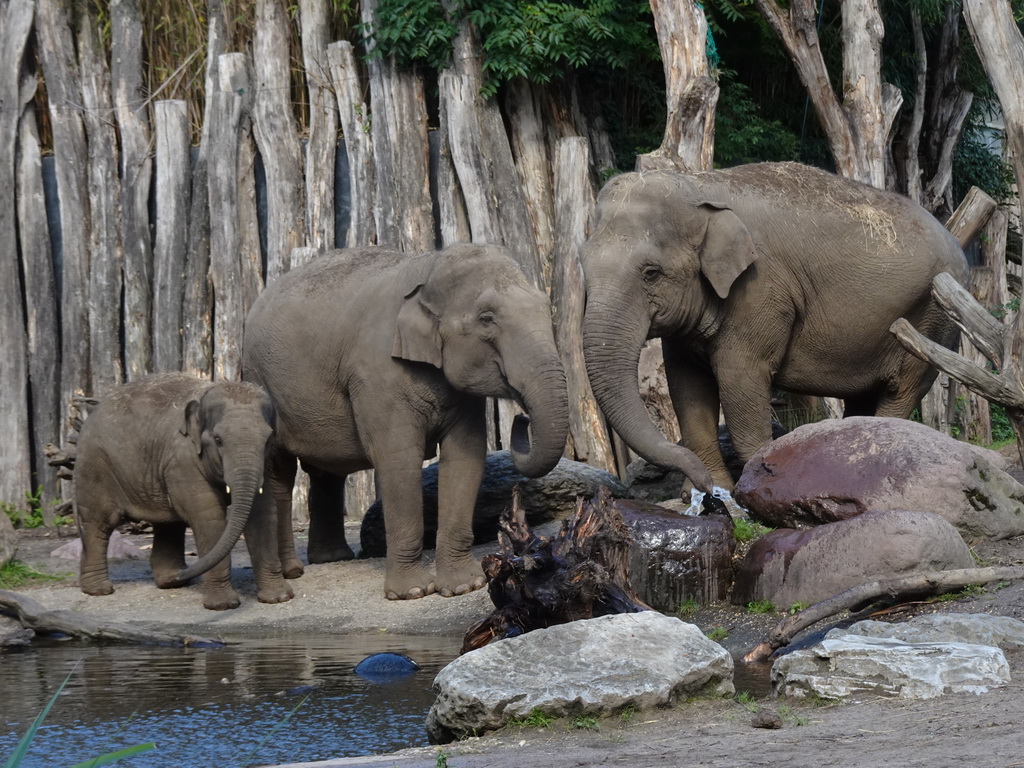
x=789, y=566
x=839, y=468
x=547, y=498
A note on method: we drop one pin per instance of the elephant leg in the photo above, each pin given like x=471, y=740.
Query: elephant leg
x=744, y=385
x=95, y=530
x=694, y=392
x=218, y=594
x=461, y=469
x=261, y=541
x=168, y=556
x=399, y=465
x=327, y=542
x=281, y=471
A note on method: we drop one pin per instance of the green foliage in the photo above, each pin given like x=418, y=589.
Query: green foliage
x=18, y=756
x=747, y=530
x=536, y=719
x=761, y=606
x=16, y=574
x=717, y=634
x=627, y=715
x=742, y=133
x=413, y=31
x=976, y=164
x=33, y=518
x=746, y=698
x=442, y=758
x=586, y=723
x=796, y=608
x=971, y=590
x=688, y=607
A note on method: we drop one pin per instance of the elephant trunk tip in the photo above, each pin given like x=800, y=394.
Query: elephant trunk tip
x=528, y=460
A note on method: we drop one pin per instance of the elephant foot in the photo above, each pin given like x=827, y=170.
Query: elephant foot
x=279, y=593
x=329, y=553
x=221, y=601
x=98, y=588
x=409, y=584
x=460, y=576
x=292, y=568
x=168, y=581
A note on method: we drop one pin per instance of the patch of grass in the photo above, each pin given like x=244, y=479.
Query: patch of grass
x=536, y=719
x=787, y=714
x=971, y=590
x=586, y=723
x=16, y=574
x=627, y=715
x=33, y=517
x=746, y=698
x=442, y=758
x=760, y=606
x=747, y=530
x=717, y=634
x=688, y=607
x=796, y=608
x=978, y=559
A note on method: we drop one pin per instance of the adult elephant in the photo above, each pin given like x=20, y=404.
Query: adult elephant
x=175, y=451
x=760, y=276
x=373, y=358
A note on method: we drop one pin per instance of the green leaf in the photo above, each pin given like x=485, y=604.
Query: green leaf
x=120, y=754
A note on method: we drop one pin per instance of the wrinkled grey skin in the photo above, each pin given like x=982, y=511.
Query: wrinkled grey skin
x=763, y=275
x=373, y=358
x=165, y=450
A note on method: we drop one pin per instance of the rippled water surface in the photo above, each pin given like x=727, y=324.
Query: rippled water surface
x=221, y=707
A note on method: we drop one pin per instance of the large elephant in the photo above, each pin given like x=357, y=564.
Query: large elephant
x=759, y=276
x=373, y=358
x=175, y=451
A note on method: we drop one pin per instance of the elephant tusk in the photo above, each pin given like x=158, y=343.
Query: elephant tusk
x=261, y=489
x=228, y=487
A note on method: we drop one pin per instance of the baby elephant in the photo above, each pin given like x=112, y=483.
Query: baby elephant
x=176, y=451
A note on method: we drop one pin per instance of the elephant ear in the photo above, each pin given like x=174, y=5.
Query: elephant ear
x=727, y=249
x=191, y=427
x=417, y=337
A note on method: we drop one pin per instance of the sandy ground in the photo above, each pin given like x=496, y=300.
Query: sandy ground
x=984, y=731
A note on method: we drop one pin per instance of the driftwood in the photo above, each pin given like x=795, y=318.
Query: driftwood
x=33, y=615
x=537, y=582
x=889, y=590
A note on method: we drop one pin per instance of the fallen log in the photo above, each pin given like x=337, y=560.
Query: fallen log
x=535, y=582
x=890, y=590
x=35, y=616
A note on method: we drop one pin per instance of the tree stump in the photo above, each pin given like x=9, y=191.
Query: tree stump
x=535, y=582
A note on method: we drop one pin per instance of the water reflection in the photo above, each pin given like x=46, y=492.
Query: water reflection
x=213, y=707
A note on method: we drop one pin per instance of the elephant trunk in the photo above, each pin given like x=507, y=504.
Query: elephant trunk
x=613, y=335
x=545, y=399
x=244, y=483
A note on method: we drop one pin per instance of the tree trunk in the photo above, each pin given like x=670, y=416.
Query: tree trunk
x=354, y=116
x=63, y=88
x=15, y=465
x=225, y=263
x=451, y=205
x=136, y=178
x=403, y=209
x=42, y=312
x=173, y=170
x=106, y=263
x=323, y=125
x=574, y=206
x=276, y=137
x=689, y=140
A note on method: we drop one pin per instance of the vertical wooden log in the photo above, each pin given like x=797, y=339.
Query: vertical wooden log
x=276, y=137
x=225, y=261
x=41, y=310
x=106, y=260
x=15, y=452
x=64, y=92
x=136, y=178
x=173, y=172
x=354, y=117
x=451, y=205
x=197, y=304
x=574, y=206
x=250, y=252
x=403, y=210
x=534, y=167
x=323, y=125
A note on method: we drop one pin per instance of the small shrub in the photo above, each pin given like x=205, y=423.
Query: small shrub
x=586, y=723
x=796, y=608
x=747, y=530
x=33, y=517
x=688, y=607
x=761, y=606
x=971, y=590
x=627, y=715
x=536, y=719
x=717, y=634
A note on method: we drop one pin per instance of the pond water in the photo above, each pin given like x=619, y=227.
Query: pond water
x=218, y=707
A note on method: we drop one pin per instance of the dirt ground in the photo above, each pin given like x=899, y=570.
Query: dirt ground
x=984, y=731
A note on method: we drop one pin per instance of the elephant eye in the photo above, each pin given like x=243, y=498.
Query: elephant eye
x=652, y=273
x=217, y=439
x=486, y=318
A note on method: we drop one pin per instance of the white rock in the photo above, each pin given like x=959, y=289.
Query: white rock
x=1003, y=632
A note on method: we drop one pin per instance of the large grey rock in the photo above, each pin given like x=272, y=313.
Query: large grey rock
x=1003, y=632
x=847, y=665
x=598, y=666
x=675, y=557
x=13, y=634
x=787, y=566
x=838, y=468
x=547, y=498
x=118, y=548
